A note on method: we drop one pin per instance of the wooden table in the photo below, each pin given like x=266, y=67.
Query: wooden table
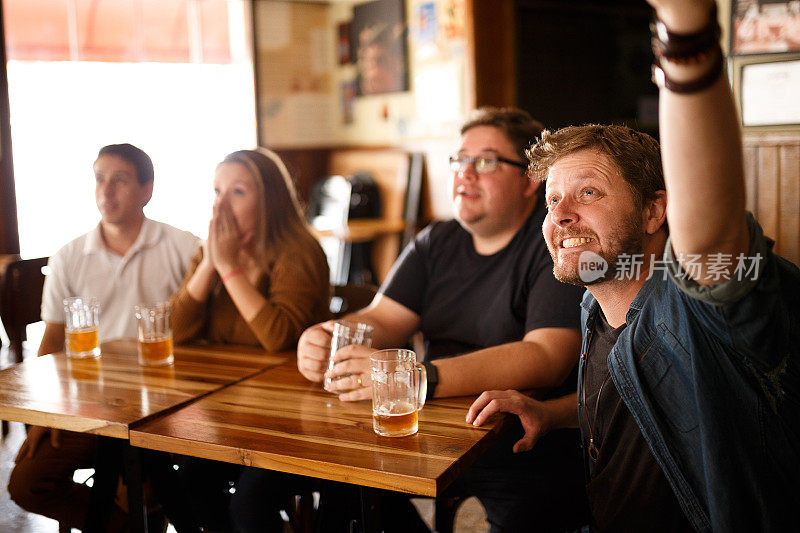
x=109, y=395
x=279, y=421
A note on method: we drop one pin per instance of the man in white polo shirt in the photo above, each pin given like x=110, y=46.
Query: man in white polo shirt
x=127, y=259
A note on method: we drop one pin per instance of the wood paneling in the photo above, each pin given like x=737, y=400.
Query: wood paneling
x=767, y=193
x=491, y=42
x=789, y=201
x=772, y=178
x=307, y=166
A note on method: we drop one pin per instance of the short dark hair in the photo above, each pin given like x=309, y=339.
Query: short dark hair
x=520, y=128
x=135, y=156
x=635, y=154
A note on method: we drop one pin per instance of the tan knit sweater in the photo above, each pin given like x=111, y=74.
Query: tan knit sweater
x=295, y=285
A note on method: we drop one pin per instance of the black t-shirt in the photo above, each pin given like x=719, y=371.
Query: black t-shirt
x=627, y=489
x=467, y=301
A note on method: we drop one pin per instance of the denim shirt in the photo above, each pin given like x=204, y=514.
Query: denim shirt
x=712, y=377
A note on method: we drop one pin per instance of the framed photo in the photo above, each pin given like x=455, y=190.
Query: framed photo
x=379, y=38
x=765, y=26
x=767, y=90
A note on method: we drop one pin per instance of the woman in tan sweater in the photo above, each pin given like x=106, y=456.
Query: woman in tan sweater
x=261, y=278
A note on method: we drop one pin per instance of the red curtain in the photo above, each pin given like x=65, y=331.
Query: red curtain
x=179, y=31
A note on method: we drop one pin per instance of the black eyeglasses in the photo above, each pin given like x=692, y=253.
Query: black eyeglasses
x=483, y=163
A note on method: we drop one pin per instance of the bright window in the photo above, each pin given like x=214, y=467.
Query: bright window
x=173, y=77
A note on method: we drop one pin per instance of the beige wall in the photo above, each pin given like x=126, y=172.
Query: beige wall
x=300, y=105
x=299, y=83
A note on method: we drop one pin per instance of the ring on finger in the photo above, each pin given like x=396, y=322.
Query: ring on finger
x=358, y=380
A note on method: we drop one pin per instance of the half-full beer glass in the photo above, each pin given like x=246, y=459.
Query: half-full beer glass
x=81, y=320
x=155, y=334
x=399, y=386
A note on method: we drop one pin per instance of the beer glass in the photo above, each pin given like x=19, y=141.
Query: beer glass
x=82, y=318
x=155, y=334
x=399, y=386
x=345, y=333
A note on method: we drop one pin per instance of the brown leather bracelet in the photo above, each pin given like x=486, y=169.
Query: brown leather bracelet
x=692, y=86
x=685, y=48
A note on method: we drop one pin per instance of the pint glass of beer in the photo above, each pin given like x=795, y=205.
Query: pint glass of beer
x=81, y=320
x=399, y=386
x=155, y=334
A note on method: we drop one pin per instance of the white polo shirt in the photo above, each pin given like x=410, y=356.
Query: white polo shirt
x=151, y=271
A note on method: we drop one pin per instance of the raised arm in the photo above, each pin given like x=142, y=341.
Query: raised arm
x=700, y=142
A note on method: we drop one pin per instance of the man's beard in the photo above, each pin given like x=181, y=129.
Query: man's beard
x=625, y=240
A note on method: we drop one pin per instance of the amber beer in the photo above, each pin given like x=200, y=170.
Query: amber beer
x=399, y=387
x=81, y=322
x=155, y=334
x=156, y=351
x=81, y=340
x=401, y=422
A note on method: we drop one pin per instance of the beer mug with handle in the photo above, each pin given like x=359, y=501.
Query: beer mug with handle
x=399, y=386
x=81, y=324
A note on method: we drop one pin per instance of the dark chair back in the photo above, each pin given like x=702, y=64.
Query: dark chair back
x=21, y=299
x=351, y=297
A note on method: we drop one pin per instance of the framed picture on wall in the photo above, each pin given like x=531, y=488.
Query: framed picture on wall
x=765, y=26
x=767, y=89
x=379, y=39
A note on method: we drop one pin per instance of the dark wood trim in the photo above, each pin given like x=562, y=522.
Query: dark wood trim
x=254, y=60
x=491, y=43
x=9, y=230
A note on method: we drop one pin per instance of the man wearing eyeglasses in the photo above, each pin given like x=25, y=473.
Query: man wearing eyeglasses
x=689, y=392
x=481, y=290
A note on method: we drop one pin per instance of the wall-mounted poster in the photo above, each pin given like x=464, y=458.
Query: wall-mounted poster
x=426, y=24
x=379, y=35
x=454, y=20
x=768, y=93
x=765, y=26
